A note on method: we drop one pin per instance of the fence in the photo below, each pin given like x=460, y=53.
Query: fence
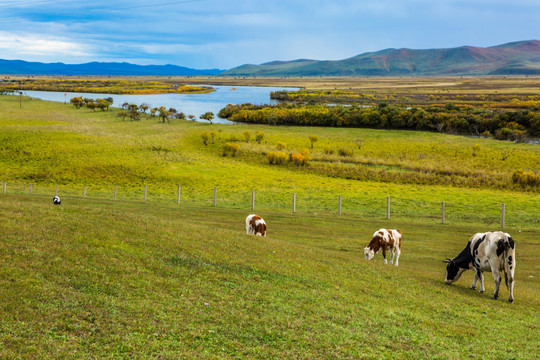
x=396, y=207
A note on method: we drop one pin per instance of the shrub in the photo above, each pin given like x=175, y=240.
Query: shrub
x=259, y=135
x=328, y=151
x=205, y=137
x=230, y=148
x=247, y=135
x=345, y=152
x=281, y=145
x=526, y=178
x=277, y=157
x=313, y=139
x=298, y=159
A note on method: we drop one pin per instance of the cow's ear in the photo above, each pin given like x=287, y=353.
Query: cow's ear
x=448, y=260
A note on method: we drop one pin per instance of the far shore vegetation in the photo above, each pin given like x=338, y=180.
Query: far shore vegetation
x=102, y=86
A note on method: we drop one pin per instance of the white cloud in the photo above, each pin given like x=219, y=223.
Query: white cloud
x=17, y=45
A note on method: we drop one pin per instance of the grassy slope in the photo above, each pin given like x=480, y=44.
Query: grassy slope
x=100, y=279
x=97, y=278
x=47, y=144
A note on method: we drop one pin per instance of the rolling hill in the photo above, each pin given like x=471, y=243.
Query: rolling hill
x=521, y=57
x=19, y=67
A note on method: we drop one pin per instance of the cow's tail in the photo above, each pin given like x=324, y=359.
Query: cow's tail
x=509, y=258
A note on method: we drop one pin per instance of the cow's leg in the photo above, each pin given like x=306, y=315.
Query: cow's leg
x=398, y=252
x=391, y=256
x=497, y=277
x=481, y=277
x=511, y=261
x=384, y=254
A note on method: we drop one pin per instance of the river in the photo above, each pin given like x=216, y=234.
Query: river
x=194, y=104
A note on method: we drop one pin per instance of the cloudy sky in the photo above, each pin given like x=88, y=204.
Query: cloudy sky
x=222, y=34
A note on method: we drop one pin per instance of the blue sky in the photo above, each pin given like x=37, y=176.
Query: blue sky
x=222, y=34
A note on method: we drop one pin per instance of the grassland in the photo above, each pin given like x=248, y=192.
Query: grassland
x=98, y=278
x=104, y=279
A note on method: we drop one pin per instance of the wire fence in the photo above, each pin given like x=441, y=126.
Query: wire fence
x=489, y=212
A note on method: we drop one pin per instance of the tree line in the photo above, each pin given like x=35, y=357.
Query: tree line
x=501, y=124
x=134, y=112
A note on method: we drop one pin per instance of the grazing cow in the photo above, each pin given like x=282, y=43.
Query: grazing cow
x=56, y=200
x=255, y=225
x=384, y=239
x=491, y=251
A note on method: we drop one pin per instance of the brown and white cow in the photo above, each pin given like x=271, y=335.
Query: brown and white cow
x=386, y=240
x=255, y=225
x=491, y=251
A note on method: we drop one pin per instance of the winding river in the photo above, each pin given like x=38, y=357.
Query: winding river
x=195, y=104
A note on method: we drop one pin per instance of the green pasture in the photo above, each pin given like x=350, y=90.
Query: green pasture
x=103, y=279
x=98, y=277
x=45, y=144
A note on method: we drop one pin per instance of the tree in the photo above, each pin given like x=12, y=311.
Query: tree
x=247, y=135
x=164, y=114
x=103, y=104
x=92, y=105
x=191, y=117
x=207, y=116
x=77, y=102
x=144, y=107
x=313, y=139
x=259, y=135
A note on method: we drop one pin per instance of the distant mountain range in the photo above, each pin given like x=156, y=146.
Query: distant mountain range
x=515, y=58
x=19, y=67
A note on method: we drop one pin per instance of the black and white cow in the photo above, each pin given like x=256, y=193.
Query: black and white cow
x=56, y=200
x=491, y=251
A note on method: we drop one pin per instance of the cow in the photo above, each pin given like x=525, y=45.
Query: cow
x=384, y=239
x=56, y=200
x=490, y=251
x=255, y=225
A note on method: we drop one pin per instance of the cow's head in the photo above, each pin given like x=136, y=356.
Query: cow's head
x=369, y=253
x=453, y=272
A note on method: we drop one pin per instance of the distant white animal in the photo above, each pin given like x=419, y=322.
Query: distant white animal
x=384, y=239
x=491, y=251
x=56, y=200
x=255, y=225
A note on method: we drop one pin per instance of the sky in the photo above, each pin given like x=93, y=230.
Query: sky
x=222, y=34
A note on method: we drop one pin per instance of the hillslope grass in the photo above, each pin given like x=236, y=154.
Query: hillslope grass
x=47, y=144
x=102, y=279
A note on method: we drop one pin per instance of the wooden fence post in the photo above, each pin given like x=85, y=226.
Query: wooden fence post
x=215, y=195
x=252, y=199
x=56, y=191
x=145, y=191
x=503, y=208
x=294, y=203
x=5, y=185
x=388, y=208
x=442, y=213
x=30, y=190
x=114, y=198
x=178, y=196
x=84, y=191
x=339, y=206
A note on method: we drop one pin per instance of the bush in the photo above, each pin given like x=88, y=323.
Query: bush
x=298, y=159
x=277, y=157
x=526, y=178
x=345, y=152
x=281, y=145
x=230, y=148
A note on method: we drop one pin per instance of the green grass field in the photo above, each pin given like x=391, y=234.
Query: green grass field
x=103, y=278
